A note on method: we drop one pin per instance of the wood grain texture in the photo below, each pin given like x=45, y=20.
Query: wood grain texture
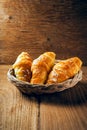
x=17, y=111
x=37, y=26
x=66, y=110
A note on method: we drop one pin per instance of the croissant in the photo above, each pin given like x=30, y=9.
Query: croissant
x=64, y=70
x=22, y=67
x=41, y=67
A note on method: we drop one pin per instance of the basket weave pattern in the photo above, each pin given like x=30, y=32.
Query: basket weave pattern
x=28, y=88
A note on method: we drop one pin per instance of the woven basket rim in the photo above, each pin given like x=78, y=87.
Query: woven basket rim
x=12, y=78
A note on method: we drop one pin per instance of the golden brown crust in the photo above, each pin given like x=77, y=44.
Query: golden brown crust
x=41, y=67
x=64, y=70
x=22, y=67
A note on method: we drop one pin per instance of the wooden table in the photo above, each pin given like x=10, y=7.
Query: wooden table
x=66, y=110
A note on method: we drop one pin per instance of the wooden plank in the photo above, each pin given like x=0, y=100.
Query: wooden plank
x=17, y=111
x=37, y=26
x=66, y=110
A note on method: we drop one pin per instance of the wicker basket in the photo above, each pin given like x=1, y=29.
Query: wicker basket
x=28, y=88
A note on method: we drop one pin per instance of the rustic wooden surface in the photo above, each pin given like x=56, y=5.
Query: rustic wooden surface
x=17, y=111
x=66, y=110
x=43, y=25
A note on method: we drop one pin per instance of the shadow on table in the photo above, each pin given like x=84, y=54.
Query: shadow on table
x=73, y=96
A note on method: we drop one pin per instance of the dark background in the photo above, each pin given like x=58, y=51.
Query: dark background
x=37, y=26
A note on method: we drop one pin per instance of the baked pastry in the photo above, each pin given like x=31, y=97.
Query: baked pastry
x=22, y=67
x=41, y=67
x=64, y=70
